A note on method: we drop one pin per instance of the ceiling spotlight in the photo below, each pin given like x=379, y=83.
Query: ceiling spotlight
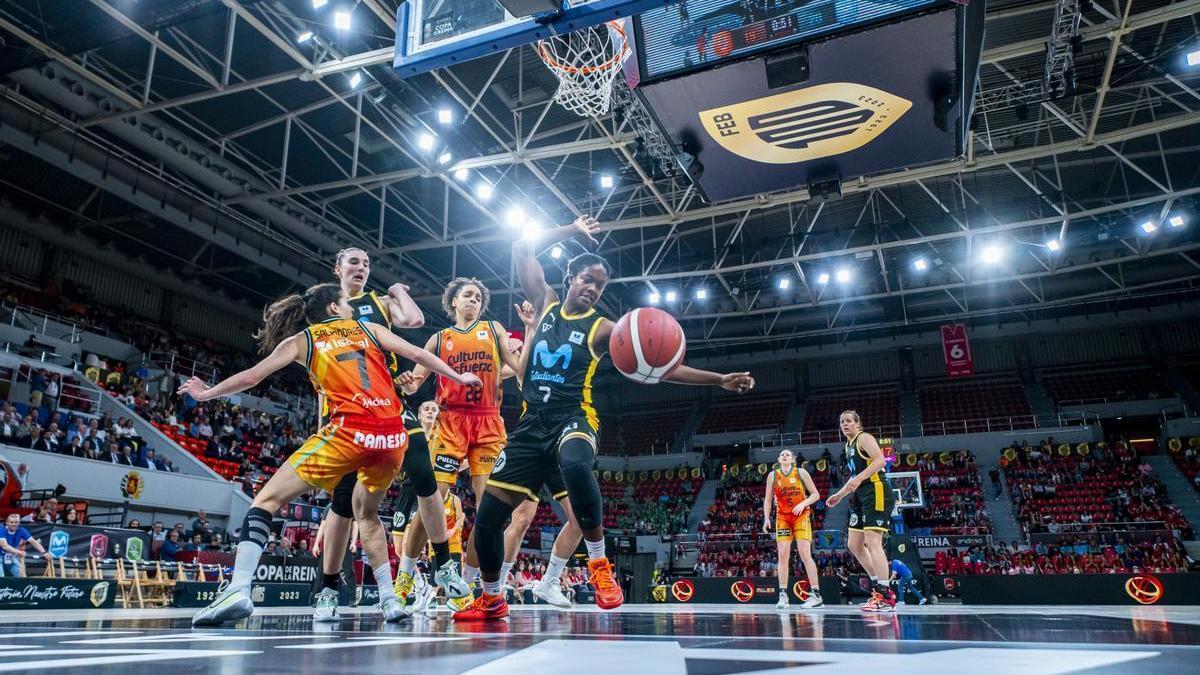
x=843, y=275
x=445, y=157
x=785, y=283
x=1176, y=222
x=341, y=20
x=1054, y=245
x=445, y=116
x=484, y=191
x=606, y=181
x=1193, y=58
x=991, y=255
x=461, y=174
x=920, y=264
x=304, y=36
x=556, y=252
x=1149, y=227
x=531, y=229
x=654, y=298
x=701, y=294
x=318, y=4
x=515, y=217
x=672, y=296
x=426, y=142
x=355, y=80
x=823, y=278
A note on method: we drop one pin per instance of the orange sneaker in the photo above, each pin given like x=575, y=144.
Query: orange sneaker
x=485, y=607
x=873, y=605
x=608, y=592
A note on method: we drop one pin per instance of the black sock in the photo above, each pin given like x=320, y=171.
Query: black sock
x=333, y=581
x=441, y=554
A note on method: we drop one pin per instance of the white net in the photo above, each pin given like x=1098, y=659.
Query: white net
x=586, y=62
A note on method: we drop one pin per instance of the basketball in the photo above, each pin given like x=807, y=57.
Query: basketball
x=646, y=345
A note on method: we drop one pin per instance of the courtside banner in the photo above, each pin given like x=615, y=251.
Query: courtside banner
x=82, y=541
x=957, y=350
x=738, y=590
x=201, y=593
x=1073, y=589
x=37, y=593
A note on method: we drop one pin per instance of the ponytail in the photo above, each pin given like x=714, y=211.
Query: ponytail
x=289, y=315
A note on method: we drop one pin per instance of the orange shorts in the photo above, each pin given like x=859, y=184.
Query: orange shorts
x=789, y=526
x=374, y=447
x=475, y=438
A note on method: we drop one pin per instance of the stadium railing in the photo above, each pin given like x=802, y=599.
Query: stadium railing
x=1147, y=530
x=991, y=424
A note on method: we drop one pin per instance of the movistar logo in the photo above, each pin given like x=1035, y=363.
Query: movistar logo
x=549, y=359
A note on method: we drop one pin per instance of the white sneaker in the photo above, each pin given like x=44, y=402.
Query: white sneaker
x=551, y=594
x=813, y=602
x=231, y=605
x=326, y=609
x=448, y=577
x=421, y=597
x=923, y=601
x=783, y=602
x=393, y=609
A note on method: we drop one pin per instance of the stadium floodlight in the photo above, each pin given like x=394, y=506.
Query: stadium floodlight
x=784, y=283
x=701, y=294
x=445, y=116
x=515, y=216
x=483, y=190
x=823, y=278
x=654, y=298
x=425, y=141
x=318, y=4
x=672, y=296
x=606, y=181
x=341, y=20
x=1149, y=227
x=304, y=36
x=355, y=80
x=461, y=174
x=531, y=229
x=1193, y=58
x=556, y=252
x=992, y=254
x=843, y=275
x=920, y=264
x=1176, y=222
x=445, y=157
x=1054, y=245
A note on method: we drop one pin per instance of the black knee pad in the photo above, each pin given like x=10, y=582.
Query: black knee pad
x=490, y=519
x=418, y=465
x=575, y=458
x=256, y=526
x=342, y=500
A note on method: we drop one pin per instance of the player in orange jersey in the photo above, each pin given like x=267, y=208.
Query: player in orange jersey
x=469, y=426
x=791, y=491
x=346, y=363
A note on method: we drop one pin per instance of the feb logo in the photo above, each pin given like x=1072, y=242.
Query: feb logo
x=1145, y=589
x=683, y=590
x=132, y=485
x=742, y=591
x=805, y=124
x=60, y=541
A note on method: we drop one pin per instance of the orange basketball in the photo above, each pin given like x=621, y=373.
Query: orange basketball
x=646, y=345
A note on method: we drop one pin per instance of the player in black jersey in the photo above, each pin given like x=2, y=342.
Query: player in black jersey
x=871, y=504
x=394, y=310
x=556, y=438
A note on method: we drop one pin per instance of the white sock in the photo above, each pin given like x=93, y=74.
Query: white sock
x=504, y=570
x=491, y=587
x=555, y=569
x=383, y=579
x=470, y=574
x=595, y=549
x=407, y=564
x=244, y=564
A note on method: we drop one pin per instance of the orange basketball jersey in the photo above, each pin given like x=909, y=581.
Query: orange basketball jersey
x=349, y=370
x=789, y=491
x=473, y=350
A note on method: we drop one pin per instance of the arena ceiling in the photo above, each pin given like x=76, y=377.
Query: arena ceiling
x=204, y=142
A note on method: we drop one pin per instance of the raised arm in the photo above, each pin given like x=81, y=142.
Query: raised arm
x=529, y=270
x=287, y=352
x=416, y=376
x=397, y=345
x=402, y=309
x=739, y=382
x=529, y=318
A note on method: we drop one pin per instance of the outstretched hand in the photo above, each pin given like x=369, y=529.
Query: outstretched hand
x=739, y=382
x=587, y=227
x=525, y=311
x=194, y=387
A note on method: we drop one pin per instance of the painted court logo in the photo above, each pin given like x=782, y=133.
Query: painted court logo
x=798, y=126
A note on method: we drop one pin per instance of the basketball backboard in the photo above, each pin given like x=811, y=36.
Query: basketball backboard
x=434, y=34
x=907, y=486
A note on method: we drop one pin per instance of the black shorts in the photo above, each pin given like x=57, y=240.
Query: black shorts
x=531, y=458
x=871, y=506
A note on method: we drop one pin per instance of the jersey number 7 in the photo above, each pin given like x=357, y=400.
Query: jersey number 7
x=361, y=357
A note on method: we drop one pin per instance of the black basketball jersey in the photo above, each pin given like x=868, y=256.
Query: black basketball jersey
x=859, y=460
x=560, y=370
x=370, y=308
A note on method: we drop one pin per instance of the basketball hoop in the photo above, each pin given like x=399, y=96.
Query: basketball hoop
x=586, y=62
